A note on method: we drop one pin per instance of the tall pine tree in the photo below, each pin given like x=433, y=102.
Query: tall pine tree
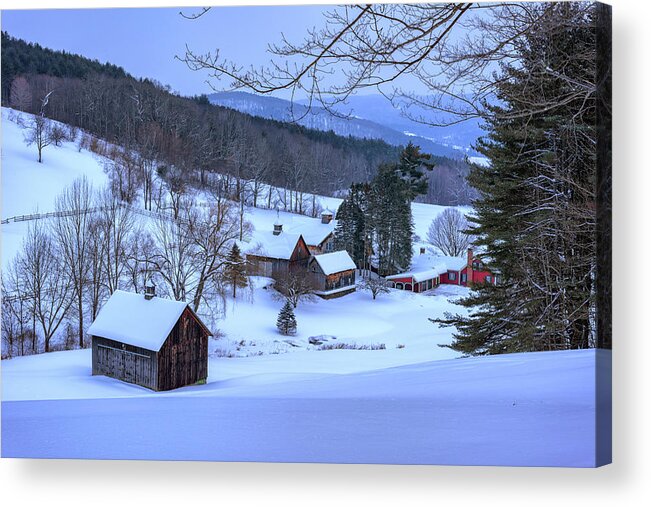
x=352, y=231
x=536, y=213
x=390, y=216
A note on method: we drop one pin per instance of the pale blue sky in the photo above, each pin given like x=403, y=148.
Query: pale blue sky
x=145, y=41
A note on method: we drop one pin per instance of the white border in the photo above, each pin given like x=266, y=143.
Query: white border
x=627, y=482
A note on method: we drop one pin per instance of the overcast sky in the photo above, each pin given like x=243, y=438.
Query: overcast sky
x=145, y=41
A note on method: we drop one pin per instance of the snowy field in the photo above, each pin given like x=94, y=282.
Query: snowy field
x=516, y=410
x=275, y=398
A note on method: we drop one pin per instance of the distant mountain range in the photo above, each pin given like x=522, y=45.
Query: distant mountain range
x=370, y=116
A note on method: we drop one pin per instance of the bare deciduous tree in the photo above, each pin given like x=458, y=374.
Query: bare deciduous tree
x=57, y=134
x=447, y=232
x=20, y=94
x=375, y=285
x=38, y=134
x=71, y=233
x=294, y=287
x=212, y=233
x=46, y=281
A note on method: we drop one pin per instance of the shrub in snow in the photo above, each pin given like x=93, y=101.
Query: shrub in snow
x=286, y=322
x=57, y=134
x=375, y=286
x=352, y=346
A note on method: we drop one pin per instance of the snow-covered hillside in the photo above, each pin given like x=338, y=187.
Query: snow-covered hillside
x=29, y=187
x=363, y=380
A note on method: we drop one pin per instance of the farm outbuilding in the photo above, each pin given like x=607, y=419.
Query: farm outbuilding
x=276, y=254
x=150, y=341
x=332, y=274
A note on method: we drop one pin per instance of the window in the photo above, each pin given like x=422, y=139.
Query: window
x=452, y=275
x=464, y=277
x=488, y=278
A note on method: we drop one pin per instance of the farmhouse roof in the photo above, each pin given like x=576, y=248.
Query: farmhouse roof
x=425, y=267
x=335, y=262
x=130, y=318
x=267, y=244
x=315, y=232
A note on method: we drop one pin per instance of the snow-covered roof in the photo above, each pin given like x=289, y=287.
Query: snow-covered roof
x=315, y=232
x=422, y=275
x=130, y=318
x=335, y=262
x=268, y=244
x=427, y=266
x=453, y=263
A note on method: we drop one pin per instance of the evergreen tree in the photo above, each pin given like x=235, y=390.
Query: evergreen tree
x=286, y=322
x=536, y=212
x=411, y=168
x=352, y=230
x=390, y=216
x=235, y=270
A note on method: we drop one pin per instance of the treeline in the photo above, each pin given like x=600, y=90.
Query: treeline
x=20, y=57
x=188, y=134
x=194, y=137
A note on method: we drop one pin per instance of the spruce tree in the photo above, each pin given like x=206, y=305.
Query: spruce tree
x=535, y=216
x=235, y=270
x=286, y=322
x=411, y=169
x=351, y=232
x=390, y=216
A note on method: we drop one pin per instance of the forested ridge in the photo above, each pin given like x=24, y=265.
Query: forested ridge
x=189, y=133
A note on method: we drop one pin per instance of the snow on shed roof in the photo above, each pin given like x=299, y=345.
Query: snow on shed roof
x=130, y=318
x=268, y=244
x=335, y=262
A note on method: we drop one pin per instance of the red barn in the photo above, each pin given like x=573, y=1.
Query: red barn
x=431, y=271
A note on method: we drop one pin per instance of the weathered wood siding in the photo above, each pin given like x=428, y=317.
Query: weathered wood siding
x=124, y=362
x=322, y=282
x=183, y=358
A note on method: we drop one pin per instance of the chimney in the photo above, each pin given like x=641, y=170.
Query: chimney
x=469, y=270
x=278, y=225
x=422, y=250
x=150, y=290
x=326, y=216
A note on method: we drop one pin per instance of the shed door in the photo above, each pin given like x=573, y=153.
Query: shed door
x=125, y=365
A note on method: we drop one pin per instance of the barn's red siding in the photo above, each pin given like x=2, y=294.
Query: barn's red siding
x=445, y=278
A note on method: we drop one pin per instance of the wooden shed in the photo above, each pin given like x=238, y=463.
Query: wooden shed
x=150, y=341
x=332, y=274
